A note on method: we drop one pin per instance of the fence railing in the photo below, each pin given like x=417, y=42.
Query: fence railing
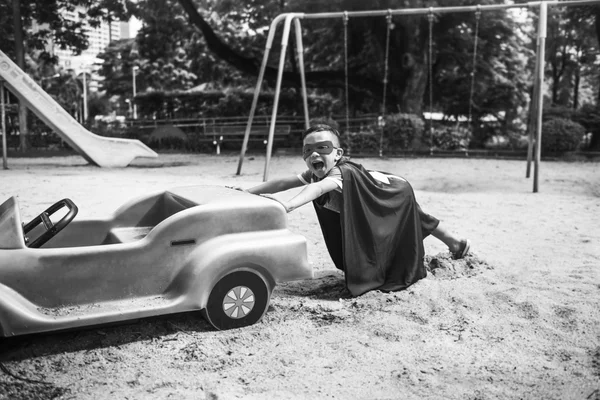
x=208, y=126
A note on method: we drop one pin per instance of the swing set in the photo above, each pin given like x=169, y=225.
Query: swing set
x=389, y=27
x=534, y=130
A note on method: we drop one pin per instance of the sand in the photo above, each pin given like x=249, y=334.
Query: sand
x=518, y=319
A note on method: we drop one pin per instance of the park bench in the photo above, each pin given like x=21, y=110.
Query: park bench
x=222, y=133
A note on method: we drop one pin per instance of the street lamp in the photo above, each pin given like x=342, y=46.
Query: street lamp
x=133, y=69
x=85, y=105
x=4, y=162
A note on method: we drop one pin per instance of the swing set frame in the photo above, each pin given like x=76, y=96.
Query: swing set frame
x=289, y=19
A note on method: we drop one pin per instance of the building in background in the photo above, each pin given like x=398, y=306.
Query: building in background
x=98, y=39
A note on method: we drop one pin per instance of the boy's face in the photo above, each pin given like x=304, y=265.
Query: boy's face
x=321, y=152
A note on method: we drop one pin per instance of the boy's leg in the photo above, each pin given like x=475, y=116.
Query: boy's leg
x=432, y=226
x=458, y=247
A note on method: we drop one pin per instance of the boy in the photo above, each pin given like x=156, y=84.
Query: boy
x=371, y=222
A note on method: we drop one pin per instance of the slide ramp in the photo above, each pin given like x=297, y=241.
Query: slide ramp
x=99, y=150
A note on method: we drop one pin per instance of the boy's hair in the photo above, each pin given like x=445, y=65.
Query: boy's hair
x=321, y=128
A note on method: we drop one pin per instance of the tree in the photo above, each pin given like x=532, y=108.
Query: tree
x=573, y=48
x=20, y=57
x=595, y=142
x=596, y=11
x=502, y=68
x=408, y=62
x=116, y=68
x=585, y=50
x=167, y=48
x=171, y=55
x=19, y=38
x=67, y=90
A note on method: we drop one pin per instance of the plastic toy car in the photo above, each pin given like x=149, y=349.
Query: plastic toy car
x=206, y=248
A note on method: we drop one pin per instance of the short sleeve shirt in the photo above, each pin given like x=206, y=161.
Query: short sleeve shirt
x=335, y=201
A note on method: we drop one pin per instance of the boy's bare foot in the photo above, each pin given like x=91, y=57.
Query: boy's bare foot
x=463, y=249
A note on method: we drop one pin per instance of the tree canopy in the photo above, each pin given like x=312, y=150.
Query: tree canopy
x=219, y=44
x=27, y=28
x=53, y=25
x=502, y=56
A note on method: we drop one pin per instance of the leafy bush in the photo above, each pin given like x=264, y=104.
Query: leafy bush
x=403, y=131
x=363, y=142
x=518, y=141
x=230, y=105
x=455, y=137
x=111, y=129
x=168, y=143
x=498, y=142
x=482, y=133
x=231, y=102
x=511, y=141
x=561, y=134
x=400, y=132
x=555, y=112
x=589, y=116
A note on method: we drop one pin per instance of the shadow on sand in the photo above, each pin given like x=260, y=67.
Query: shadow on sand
x=100, y=336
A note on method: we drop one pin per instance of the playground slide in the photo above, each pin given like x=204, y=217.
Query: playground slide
x=99, y=150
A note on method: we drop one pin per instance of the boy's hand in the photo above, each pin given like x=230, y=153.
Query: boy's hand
x=270, y=196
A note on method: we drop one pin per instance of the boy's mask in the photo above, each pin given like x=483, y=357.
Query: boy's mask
x=325, y=147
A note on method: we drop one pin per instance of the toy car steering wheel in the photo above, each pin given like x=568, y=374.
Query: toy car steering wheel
x=51, y=228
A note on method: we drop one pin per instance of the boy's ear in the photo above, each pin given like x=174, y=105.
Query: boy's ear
x=339, y=153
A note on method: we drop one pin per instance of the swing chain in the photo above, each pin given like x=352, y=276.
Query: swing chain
x=430, y=64
x=385, y=79
x=476, y=39
x=387, y=57
x=345, y=19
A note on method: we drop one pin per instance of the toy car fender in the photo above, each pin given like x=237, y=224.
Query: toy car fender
x=249, y=254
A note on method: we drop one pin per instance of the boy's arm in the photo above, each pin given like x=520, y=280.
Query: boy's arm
x=276, y=185
x=308, y=194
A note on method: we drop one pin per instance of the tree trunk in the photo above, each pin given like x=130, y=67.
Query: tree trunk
x=20, y=56
x=576, y=86
x=597, y=25
x=411, y=100
x=595, y=142
x=554, y=80
x=558, y=70
x=409, y=66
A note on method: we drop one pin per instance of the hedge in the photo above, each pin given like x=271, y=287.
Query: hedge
x=560, y=135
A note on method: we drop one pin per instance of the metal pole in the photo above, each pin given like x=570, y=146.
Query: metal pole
x=532, y=115
x=540, y=97
x=2, y=105
x=85, y=105
x=300, y=56
x=261, y=76
x=419, y=11
x=135, y=67
x=284, y=42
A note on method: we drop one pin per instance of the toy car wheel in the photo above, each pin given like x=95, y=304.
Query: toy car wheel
x=237, y=300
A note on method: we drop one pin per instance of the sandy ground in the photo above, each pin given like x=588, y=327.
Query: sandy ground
x=520, y=321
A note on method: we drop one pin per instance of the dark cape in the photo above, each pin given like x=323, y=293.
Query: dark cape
x=377, y=238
